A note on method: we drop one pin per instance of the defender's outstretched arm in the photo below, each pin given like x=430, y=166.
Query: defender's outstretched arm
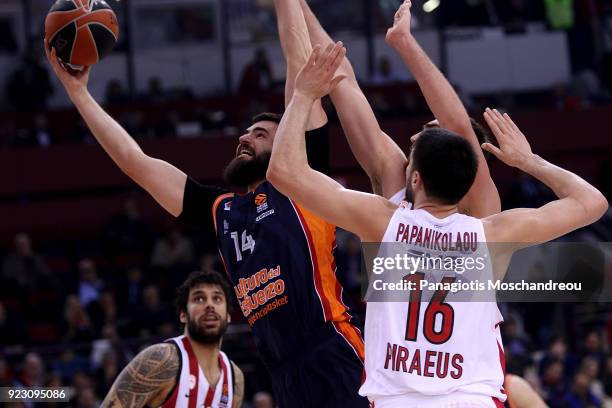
x=163, y=181
x=296, y=47
x=579, y=203
x=483, y=198
x=379, y=156
x=364, y=214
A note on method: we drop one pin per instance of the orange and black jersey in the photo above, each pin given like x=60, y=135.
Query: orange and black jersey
x=280, y=258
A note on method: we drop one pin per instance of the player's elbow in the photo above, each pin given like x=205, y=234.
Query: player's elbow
x=597, y=205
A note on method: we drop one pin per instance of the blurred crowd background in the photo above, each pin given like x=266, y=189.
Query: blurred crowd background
x=89, y=263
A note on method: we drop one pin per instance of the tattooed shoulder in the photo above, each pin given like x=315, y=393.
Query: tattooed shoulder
x=146, y=380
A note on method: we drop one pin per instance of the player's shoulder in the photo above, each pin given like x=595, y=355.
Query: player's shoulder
x=166, y=353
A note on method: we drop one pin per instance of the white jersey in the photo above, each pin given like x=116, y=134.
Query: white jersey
x=455, y=350
x=192, y=389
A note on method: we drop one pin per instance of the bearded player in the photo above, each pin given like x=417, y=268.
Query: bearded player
x=189, y=370
x=279, y=257
x=415, y=357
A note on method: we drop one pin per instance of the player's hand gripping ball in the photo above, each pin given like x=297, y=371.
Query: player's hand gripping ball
x=81, y=31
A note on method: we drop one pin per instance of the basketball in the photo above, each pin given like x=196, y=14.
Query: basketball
x=81, y=31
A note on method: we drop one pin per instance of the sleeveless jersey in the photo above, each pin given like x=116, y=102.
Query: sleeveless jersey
x=280, y=258
x=192, y=389
x=456, y=348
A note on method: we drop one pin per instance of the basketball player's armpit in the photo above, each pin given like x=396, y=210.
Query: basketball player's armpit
x=238, y=387
x=146, y=380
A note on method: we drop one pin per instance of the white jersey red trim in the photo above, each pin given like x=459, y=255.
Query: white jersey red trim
x=411, y=372
x=193, y=389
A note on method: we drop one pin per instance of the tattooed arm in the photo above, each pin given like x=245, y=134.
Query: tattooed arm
x=238, y=387
x=146, y=380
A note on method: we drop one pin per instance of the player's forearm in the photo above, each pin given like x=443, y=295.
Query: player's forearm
x=566, y=184
x=112, y=137
x=438, y=92
x=293, y=33
x=289, y=157
x=318, y=35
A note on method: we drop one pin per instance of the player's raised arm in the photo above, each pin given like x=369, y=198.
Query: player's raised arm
x=163, y=181
x=290, y=173
x=482, y=199
x=380, y=157
x=296, y=47
x=579, y=203
x=147, y=380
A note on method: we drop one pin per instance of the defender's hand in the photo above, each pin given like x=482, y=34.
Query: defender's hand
x=72, y=80
x=514, y=149
x=318, y=76
x=401, y=24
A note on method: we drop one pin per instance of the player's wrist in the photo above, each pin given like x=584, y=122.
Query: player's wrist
x=529, y=163
x=304, y=96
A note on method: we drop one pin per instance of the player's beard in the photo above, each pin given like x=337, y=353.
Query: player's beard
x=242, y=172
x=201, y=335
x=409, y=194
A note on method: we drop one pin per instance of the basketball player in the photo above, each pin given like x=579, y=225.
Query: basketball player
x=278, y=256
x=384, y=162
x=189, y=370
x=408, y=361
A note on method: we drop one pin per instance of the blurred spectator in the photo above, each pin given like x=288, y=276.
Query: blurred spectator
x=127, y=232
x=590, y=368
x=32, y=373
x=517, y=342
x=153, y=314
x=87, y=398
x=29, y=87
x=384, y=74
x=263, y=399
x=110, y=342
x=557, y=351
x=23, y=266
x=115, y=93
x=592, y=346
x=155, y=92
x=173, y=251
x=107, y=373
x=104, y=310
x=580, y=395
x=131, y=290
x=76, y=321
x=553, y=384
x=70, y=364
x=90, y=285
x=12, y=327
x=210, y=262
x=257, y=75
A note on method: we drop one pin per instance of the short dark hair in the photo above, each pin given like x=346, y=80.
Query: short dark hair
x=198, y=278
x=447, y=164
x=269, y=116
x=482, y=134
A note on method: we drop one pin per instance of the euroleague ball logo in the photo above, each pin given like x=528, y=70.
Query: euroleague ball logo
x=260, y=199
x=60, y=43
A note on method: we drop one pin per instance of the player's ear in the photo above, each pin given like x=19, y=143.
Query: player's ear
x=229, y=318
x=183, y=317
x=415, y=179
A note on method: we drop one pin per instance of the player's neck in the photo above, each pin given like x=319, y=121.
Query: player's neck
x=436, y=209
x=253, y=187
x=207, y=355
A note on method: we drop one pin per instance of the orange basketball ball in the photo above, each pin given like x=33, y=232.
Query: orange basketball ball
x=81, y=31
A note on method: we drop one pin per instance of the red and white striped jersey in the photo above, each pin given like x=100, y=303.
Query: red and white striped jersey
x=192, y=389
x=418, y=350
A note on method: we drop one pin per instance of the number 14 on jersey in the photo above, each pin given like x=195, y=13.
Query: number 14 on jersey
x=246, y=243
